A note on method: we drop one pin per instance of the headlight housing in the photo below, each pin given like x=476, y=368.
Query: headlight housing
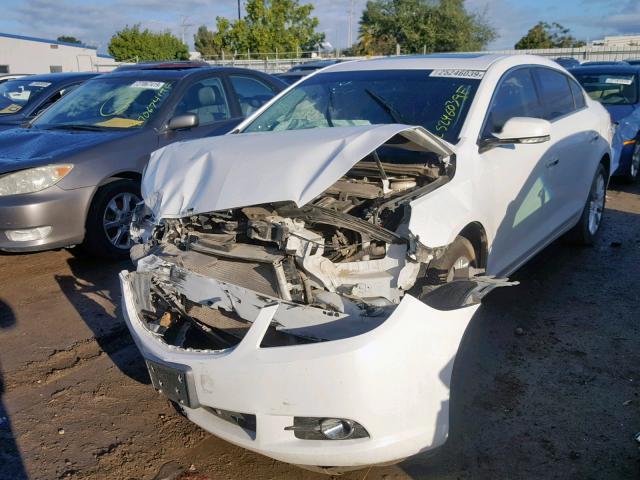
x=33, y=180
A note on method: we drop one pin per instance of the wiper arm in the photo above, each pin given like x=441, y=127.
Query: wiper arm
x=386, y=106
x=90, y=128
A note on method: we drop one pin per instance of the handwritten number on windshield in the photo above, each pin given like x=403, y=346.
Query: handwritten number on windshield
x=452, y=108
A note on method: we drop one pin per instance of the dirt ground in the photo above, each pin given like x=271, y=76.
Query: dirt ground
x=545, y=385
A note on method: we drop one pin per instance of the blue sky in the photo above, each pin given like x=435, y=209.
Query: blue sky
x=94, y=21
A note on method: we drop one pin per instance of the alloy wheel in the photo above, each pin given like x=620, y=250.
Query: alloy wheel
x=596, y=204
x=117, y=219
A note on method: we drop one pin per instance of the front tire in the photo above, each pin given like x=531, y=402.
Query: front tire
x=109, y=218
x=634, y=165
x=589, y=224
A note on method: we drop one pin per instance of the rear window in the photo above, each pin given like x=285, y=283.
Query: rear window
x=610, y=88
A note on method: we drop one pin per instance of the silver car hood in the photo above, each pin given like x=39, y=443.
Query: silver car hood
x=231, y=171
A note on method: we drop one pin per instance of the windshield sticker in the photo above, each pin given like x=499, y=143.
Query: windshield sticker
x=619, y=81
x=155, y=101
x=118, y=122
x=452, y=108
x=13, y=108
x=40, y=84
x=456, y=73
x=147, y=85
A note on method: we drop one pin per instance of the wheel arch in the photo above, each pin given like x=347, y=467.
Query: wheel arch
x=477, y=235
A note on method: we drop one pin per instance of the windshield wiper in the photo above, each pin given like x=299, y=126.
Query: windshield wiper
x=90, y=128
x=386, y=106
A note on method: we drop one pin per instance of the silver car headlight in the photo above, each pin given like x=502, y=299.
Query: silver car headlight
x=33, y=179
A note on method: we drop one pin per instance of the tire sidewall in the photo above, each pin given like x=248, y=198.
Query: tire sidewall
x=96, y=241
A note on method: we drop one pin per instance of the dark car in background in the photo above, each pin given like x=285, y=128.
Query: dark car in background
x=616, y=87
x=567, y=62
x=72, y=177
x=21, y=99
x=300, y=71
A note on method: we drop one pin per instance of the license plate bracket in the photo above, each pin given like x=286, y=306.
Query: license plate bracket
x=171, y=382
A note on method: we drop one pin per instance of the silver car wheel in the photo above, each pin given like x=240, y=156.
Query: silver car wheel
x=596, y=204
x=117, y=219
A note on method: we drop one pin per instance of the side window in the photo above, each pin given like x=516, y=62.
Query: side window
x=555, y=92
x=578, y=94
x=54, y=98
x=207, y=100
x=251, y=92
x=516, y=96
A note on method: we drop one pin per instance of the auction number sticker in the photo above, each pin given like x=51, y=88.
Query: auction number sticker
x=619, y=81
x=39, y=84
x=147, y=84
x=457, y=73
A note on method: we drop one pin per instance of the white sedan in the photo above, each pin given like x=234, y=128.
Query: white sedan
x=303, y=283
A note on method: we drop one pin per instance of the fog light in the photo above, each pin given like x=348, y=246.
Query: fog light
x=28, y=234
x=336, y=429
x=319, y=428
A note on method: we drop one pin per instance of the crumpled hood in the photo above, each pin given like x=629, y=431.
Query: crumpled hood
x=30, y=147
x=239, y=170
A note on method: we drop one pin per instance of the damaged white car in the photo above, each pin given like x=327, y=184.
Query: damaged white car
x=303, y=284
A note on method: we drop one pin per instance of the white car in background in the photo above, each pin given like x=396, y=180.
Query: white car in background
x=304, y=283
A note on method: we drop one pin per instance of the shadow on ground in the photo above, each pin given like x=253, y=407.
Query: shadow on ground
x=11, y=465
x=92, y=288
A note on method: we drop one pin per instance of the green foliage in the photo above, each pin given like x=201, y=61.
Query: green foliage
x=545, y=35
x=131, y=43
x=268, y=26
x=69, y=39
x=419, y=25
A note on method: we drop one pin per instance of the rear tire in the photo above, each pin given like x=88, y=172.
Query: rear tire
x=588, y=226
x=108, y=220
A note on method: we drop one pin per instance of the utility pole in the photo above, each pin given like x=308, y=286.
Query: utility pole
x=350, y=30
x=184, y=26
x=239, y=13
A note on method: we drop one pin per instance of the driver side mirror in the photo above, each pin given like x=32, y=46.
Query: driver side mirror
x=179, y=122
x=519, y=130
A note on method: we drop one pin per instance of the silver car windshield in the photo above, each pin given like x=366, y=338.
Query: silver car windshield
x=337, y=99
x=108, y=103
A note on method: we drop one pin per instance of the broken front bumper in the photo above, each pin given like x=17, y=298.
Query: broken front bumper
x=393, y=380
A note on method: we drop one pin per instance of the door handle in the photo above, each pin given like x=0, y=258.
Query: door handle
x=553, y=162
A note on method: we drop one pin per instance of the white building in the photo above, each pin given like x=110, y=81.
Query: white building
x=617, y=41
x=20, y=54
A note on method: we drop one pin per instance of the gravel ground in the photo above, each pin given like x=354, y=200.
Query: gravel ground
x=546, y=383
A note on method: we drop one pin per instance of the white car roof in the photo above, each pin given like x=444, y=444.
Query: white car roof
x=439, y=61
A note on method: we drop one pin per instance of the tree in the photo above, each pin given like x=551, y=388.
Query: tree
x=132, y=43
x=545, y=35
x=69, y=39
x=419, y=25
x=270, y=25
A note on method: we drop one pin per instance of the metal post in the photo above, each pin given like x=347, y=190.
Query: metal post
x=239, y=15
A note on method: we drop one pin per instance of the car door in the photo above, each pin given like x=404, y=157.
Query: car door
x=520, y=191
x=209, y=100
x=570, y=168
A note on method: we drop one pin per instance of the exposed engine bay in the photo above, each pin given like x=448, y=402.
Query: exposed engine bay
x=347, y=254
